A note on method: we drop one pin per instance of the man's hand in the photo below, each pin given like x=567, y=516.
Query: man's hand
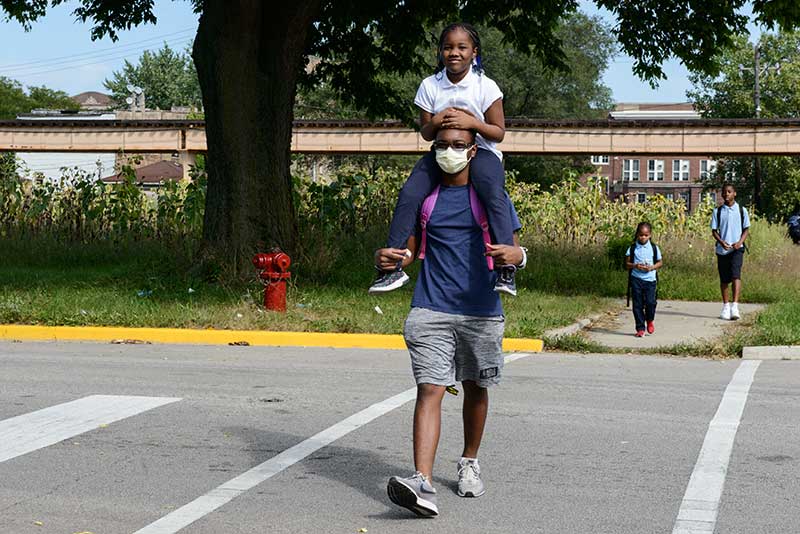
x=505, y=254
x=737, y=245
x=386, y=258
x=725, y=244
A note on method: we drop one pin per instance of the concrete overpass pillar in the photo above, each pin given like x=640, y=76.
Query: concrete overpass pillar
x=186, y=158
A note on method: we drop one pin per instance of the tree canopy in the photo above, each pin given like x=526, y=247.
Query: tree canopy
x=530, y=88
x=14, y=100
x=730, y=94
x=167, y=77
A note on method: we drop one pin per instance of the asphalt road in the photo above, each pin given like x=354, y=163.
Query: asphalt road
x=574, y=444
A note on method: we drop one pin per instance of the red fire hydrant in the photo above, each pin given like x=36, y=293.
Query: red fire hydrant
x=273, y=270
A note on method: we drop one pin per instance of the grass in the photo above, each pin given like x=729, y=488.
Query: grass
x=147, y=284
x=151, y=284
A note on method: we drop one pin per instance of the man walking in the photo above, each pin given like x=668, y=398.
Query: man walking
x=454, y=331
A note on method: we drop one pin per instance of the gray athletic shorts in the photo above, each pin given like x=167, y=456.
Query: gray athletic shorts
x=446, y=348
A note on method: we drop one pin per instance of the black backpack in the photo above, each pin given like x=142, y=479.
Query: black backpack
x=656, y=259
x=741, y=219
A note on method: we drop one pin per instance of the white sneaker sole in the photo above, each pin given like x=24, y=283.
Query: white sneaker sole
x=505, y=289
x=471, y=494
x=404, y=495
x=400, y=282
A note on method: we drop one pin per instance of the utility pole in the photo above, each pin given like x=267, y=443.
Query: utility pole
x=758, y=71
x=757, y=99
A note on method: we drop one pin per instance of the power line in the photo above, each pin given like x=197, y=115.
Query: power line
x=104, y=60
x=84, y=55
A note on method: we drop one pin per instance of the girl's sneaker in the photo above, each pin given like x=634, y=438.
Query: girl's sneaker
x=640, y=333
x=735, y=312
x=387, y=281
x=725, y=315
x=651, y=327
x=506, y=282
x=415, y=493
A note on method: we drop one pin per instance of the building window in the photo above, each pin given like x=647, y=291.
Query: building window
x=630, y=170
x=655, y=170
x=680, y=170
x=599, y=160
x=686, y=196
x=670, y=196
x=711, y=198
x=707, y=168
x=641, y=198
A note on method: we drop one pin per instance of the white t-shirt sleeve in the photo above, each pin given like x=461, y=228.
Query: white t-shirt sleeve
x=491, y=93
x=746, y=221
x=426, y=96
x=628, y=253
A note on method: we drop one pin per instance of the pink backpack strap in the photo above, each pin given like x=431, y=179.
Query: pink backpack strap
x=424, y=216
x=479, y=214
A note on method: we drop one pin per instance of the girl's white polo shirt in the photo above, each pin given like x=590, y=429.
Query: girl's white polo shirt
x=476, y=92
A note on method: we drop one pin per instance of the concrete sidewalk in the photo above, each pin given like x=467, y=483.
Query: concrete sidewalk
x=676, y=322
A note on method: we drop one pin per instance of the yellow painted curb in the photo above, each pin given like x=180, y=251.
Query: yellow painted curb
x=224, y=337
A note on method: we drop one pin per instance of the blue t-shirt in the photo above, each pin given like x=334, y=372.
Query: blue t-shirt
x=454, y=277
x=730, y=226
x=644, y=254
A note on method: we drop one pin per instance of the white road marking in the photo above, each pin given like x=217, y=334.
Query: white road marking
x=698, y=511
x=42, y=428
x=205, y=504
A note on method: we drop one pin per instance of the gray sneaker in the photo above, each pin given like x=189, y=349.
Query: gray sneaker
x=469, y=479
x=414, y=493
x=387, y=281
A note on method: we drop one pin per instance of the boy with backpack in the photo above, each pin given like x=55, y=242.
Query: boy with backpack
x=642, y=260
x=730, y=225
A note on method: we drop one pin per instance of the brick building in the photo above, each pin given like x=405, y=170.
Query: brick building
x=637, y=177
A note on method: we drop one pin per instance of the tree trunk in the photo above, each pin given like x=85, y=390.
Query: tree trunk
x=248, y=55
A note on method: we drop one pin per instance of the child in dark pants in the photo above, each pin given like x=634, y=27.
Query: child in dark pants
x=642, y=260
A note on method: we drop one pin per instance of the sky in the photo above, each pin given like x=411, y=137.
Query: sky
x=59, y=53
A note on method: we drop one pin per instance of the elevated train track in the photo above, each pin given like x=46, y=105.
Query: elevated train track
x=702, y=137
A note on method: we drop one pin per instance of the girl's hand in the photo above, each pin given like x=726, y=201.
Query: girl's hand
x=386, y=258
x=436, y=120
x=459, y=119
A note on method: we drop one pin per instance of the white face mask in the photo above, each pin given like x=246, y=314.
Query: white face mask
x=452, y=161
